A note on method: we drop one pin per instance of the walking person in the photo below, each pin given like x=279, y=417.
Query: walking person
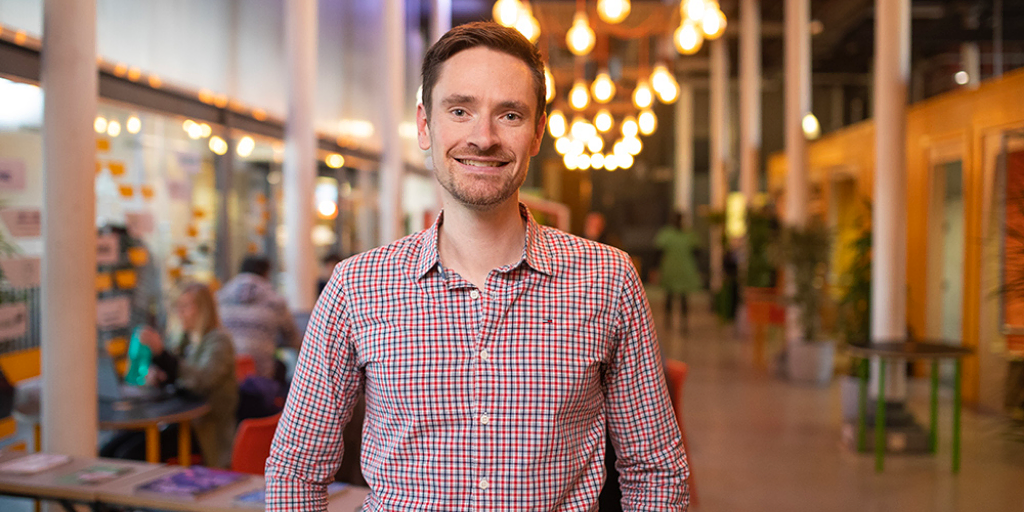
x=679, y=274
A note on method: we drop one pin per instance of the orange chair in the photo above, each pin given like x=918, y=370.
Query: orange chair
x=675, y=374
x=244, y=367
x=252, y=444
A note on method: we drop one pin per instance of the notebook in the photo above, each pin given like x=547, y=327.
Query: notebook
x=94, y=475
x=189, y=484
x=34, y=463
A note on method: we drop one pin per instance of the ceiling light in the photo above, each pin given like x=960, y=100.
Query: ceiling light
x=613, y=11
x=578, y=96
x=583, y=162
x=580, y=36
x=113, y=128
x=611, y=162
x=133, y=125
x=563, y=145
x=693, y=9
x=687, y=38
x=581, y=129
x=506, y=12
x=713, y=23
x=245, y=146
x=597, y=160
x=961, y=77
x=100, y=124
x=526, y=24
x=556, y=124
x=647, y=122
x=595, y=144
x=624, y=161
x=603, y=120
x=633, y=145
x=218, y=145
x=629, y=127
x=335, y=161
x=549, y=84
x=569, y=159
x=812, y=129
x=603, y=88
x=642, y=96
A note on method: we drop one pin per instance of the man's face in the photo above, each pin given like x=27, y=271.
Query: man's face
x=483, y=128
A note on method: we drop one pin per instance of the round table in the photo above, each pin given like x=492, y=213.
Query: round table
x=149, y=415
x=899, y=349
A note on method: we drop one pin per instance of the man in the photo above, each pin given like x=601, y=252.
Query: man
x=493, y=352
x=256, y=315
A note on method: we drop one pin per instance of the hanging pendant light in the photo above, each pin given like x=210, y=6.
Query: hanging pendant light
x=665, y=85
x=556, y=124
x=580, y=37
x=578, y=96
x=613, y=11
x=506, y=12
x=688, y=38
x=642, y=95
x=603, y=120
x=713, y=23
x=647, y=122
x=603, y=87
x=692, y=9
x=549, y=84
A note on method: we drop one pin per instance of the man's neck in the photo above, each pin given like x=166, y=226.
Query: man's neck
x=473, y=242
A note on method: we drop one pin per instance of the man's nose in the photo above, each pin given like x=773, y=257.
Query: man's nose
x=484, y=135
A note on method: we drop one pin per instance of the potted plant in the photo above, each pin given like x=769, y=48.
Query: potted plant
x=855, y=313
x=760, y=298
x=804, y=251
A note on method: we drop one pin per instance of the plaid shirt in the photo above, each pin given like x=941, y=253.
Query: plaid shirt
x=482, y=399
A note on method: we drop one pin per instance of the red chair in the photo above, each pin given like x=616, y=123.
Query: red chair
x=244, y=367
x=252, y=444
x=675, y=374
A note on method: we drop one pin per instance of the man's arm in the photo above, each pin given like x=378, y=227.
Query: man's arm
x=307, y=447
x=641, y=420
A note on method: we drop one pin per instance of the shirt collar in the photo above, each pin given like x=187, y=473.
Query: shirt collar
x=537, y=253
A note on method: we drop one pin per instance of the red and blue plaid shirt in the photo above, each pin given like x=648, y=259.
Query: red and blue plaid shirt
x=482, y=399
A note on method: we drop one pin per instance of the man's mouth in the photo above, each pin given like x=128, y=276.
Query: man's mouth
x=482, y=163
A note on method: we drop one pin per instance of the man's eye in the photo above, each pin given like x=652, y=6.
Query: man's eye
x=512, y=116
x=458, y=112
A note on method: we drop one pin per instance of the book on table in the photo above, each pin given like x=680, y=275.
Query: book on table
x=34, y=463
x=94, y=475
x=189, y=484
x=258, y=497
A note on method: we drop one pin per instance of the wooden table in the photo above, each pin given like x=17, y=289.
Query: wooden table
x=934, y=350
x=120, y=492
x=148, y=416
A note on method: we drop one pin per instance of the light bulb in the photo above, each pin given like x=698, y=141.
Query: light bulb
x=597, y=160
x=603, y=88
x=619, y=148
x=578, y=96
x=581, y=129
x=611, y=162
x=647, y=122
x=624, y=161
x=613, y=11
x=569, y=159
x=527, y=25
x=549, y=85
x=583, y=162
x=642, y=96
x=133, y=125
x=595, y=144
x=100, y=124
x=669, y=94
x=713, y=23
x=335, y=161
x=603, y=120
x=687, y=38
x=245, y=146
x=113, y=128
x=580, y=37
x=812, y=129
x=218, y=145
x=556, y=124
x=692, y=9
x=633, y=146
x=577, y=147
x=629, y=127
x=563, y=145
x=506, y=12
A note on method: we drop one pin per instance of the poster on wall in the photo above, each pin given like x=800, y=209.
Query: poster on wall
x=23, y=222
x=1013, y=253
x=13, y=321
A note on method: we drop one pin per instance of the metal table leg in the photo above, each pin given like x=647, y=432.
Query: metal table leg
x=933, y=434
x=956, y=415
x=880, y=419
x=184, y=444
x=863, y=369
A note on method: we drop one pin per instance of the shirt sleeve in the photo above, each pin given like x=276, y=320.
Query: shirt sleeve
x=307, y=446
x=641, y=422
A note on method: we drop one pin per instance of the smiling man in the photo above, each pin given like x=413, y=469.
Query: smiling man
x=494, y=353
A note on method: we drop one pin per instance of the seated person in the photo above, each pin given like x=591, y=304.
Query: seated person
x=201, y=362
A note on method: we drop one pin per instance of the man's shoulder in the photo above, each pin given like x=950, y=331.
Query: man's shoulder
x=581, y=253
x=382, y=261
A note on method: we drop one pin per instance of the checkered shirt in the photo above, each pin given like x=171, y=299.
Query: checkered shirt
x=492, y=399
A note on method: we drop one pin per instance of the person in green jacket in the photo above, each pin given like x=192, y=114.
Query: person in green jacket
x=202, y=363
x=679, y=274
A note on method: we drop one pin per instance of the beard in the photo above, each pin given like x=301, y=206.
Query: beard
x=480, y=192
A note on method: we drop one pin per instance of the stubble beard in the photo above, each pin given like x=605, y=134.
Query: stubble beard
x=479, y=192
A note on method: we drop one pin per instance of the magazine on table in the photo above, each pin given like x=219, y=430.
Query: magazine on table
x=190, y=484
x=94, y=475
x=34, y=463
x=258, y=497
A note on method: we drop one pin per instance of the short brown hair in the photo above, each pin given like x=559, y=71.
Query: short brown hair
x=206, y=304
x=488, y=34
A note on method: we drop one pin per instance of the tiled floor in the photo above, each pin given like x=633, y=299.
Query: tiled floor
x=759, y=443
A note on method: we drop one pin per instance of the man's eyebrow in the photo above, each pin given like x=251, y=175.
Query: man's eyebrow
x=514, y=105
x=456, y=99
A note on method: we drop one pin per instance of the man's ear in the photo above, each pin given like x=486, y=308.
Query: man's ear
x=539, y=136
x=422, y=128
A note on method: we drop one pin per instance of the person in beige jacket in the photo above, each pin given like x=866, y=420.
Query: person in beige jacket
x=202, y=363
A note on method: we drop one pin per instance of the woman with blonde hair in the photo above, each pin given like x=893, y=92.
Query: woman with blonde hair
x=201, y=362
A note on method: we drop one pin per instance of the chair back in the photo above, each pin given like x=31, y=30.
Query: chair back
x=675, y=375
x=252, y=444
x=245, y=366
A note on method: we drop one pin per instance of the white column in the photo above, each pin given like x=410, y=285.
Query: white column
x=684, y=149
x=889, y=212
x=750, y=97
x=798, y=103
x=970, y=61
x=440, y=19
x=69, y=351
x=300, y=153
x=719, y=142
x=392, y=164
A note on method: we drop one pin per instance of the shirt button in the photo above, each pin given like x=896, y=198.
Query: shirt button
x=483, y=484
x=474, y=294
x=485, y=355
x=485, y=419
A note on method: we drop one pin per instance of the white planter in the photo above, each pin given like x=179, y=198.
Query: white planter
x=810, y=363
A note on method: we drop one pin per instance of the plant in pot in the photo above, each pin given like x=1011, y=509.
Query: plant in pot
x=855, y=313
x=804, y=252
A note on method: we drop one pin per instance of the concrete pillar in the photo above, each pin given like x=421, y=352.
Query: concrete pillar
x=392, y=164
x=684, y=149
x=69, y=351
x=889, y=212
x=797, y=104
x=970, y=61
x=299, y=176
x=750, y=97
x=440, y=19
x=719, y=141
x=224, y=170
